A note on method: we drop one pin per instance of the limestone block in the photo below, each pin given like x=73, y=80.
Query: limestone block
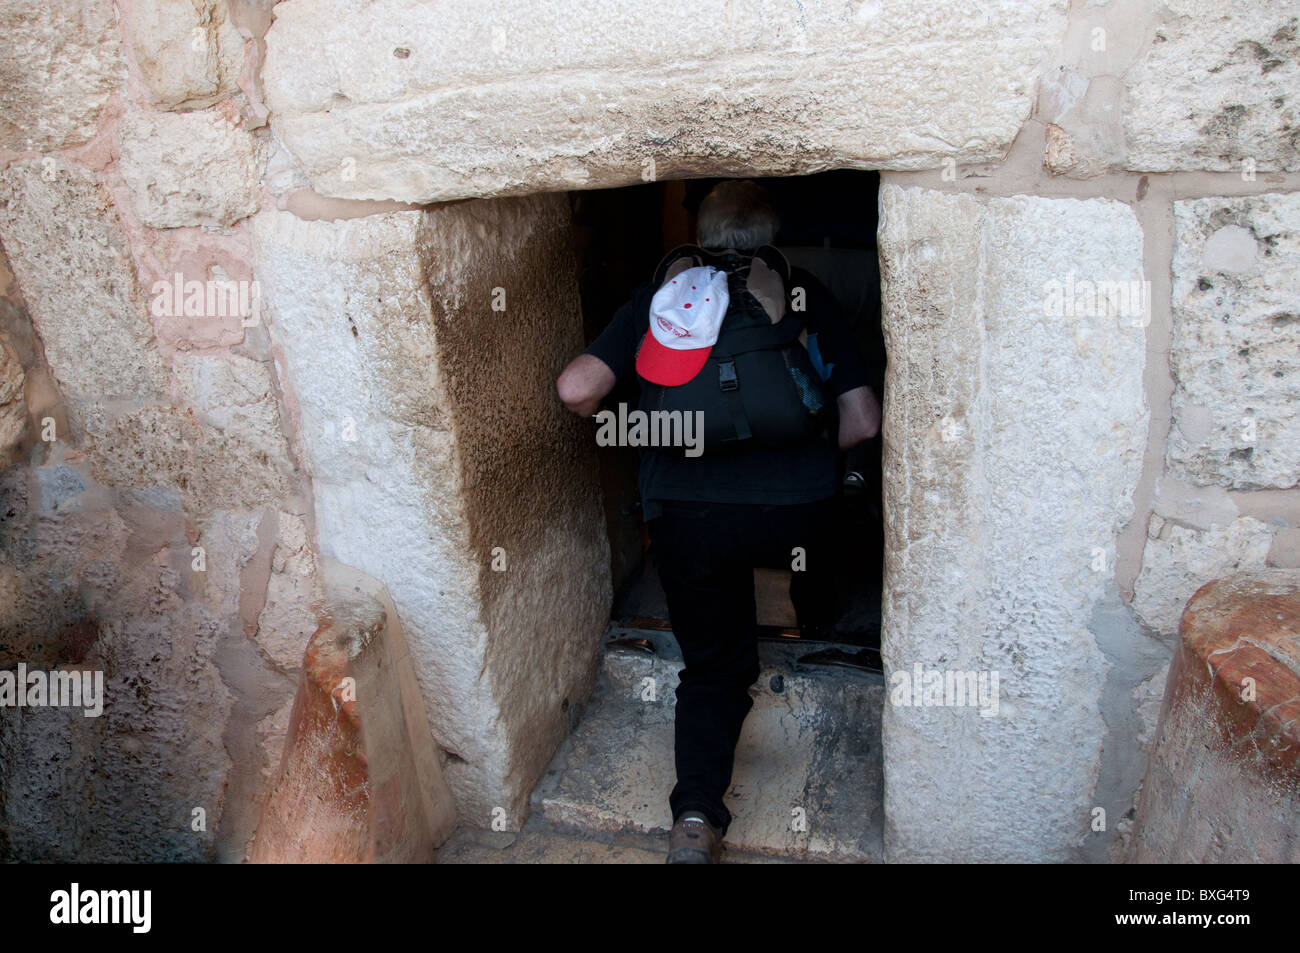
x=188, y=52
x=420, y=102
x=1236, y=346
x=40, y=563
x=229, y=541
x=233, y=394
x=1285, y=552
x=527, y=465
x=1196, y=507
x=359, y=781
x=1014, y=436
x=58, y=66
x=169, y=447
x=197, y=168
x=1181, y=560
x=403, y=448
x=1216, y=88
x=1221, y=785
x=70, y=256
x=219, y=444
x=292, y=609
x=13, y=409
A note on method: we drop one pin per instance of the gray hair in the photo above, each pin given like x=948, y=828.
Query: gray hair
x=737, y=214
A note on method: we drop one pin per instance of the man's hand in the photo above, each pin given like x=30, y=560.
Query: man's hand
x=859, y=416
x=584, y=382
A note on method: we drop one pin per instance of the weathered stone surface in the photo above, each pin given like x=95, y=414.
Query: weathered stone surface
x=1223, y=784
x=1147, y=699
x=527, y=466
x=233, y=394
x=13, y=409
x=359, y=781
x=169, y=447
x=1004, y=489
x=1217, y=88
x=1180, y=560
x=90, y=580
x=197, y=168
x=272, y=733
x=220, y=445
x=806, y=783
x=1285, y=553
x=288, y=617
x=1196, y=507
x=1136, y=662
x=419, y=101
x=1236, y=348
x=189, y=54
x=70, y=255
x=58, y=66
x=418, y=459
x=229, y=541
x=469, y=846
x=282, y=174
x=1082, y=86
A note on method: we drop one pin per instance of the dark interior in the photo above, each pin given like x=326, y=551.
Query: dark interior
x=828, y=227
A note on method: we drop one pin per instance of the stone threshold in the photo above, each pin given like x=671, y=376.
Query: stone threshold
x=807, y=787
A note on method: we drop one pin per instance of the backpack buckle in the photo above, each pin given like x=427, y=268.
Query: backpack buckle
x=727, y=379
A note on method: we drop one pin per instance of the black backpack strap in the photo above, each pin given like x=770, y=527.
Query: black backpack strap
x=758, y=337
x=694, y=254
x=730, y=387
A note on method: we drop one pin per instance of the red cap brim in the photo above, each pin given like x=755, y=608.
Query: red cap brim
x=662, y=365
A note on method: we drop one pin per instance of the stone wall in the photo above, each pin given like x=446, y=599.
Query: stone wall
x=160, y=528
x=1000, y=484
x=1059, y=483
x=452, y=474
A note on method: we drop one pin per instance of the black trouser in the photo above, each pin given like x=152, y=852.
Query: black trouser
x=706, y=554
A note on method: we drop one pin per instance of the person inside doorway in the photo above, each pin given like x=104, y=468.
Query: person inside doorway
x=728, y=330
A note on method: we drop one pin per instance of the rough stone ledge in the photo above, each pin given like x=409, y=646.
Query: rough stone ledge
x=1248, y=626
x=1224, y=780
x=360, y=780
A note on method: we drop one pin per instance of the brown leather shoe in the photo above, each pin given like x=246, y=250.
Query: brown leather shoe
x=694, y=840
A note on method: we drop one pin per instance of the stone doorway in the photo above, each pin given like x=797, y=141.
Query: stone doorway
x=829, y=228
x=455, y=467
x=1057, y=482
x=807, y=782
x=453, y=475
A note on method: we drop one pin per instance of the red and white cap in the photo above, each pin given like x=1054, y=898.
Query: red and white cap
x=685, y=317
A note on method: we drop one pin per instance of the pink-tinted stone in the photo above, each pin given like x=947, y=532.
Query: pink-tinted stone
x=359, y=781
x=1224, y=779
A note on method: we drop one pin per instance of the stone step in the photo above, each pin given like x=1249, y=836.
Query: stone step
x=807, y=783
x=541, y=842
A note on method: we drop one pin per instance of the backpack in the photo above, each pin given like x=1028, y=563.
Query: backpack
x=759, y=387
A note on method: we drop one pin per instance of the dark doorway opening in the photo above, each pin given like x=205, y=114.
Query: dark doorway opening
x=829, y=228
